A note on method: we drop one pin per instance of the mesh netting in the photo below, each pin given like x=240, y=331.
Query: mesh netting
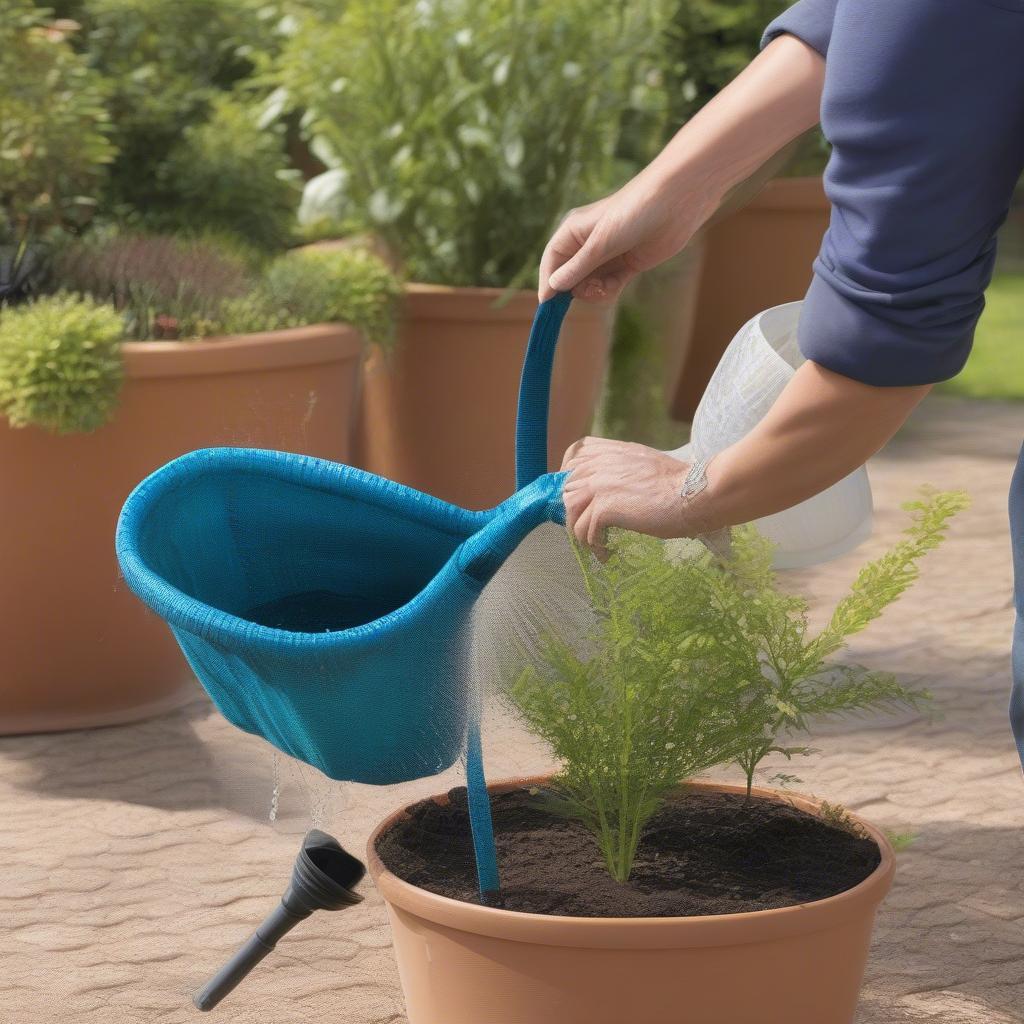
x=759, y=362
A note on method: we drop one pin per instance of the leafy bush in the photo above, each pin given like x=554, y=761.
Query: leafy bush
x=54, y=127
x=693, y=664
x=60, y=364
x=165, y=287
x=465, y=129
x=178, y=73
x=317, y=286
x=227, y=174
x=711, y=42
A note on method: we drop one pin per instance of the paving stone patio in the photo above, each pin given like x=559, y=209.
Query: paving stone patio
x=136, y=858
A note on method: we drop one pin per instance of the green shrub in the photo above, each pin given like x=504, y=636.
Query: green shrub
x=318, y=286
x=227, y=174
x=54, y=127
x=169, y=65
x=60, y=364
x=712, y=41
x=165, y=287
x=465, y=129
x=693, y=664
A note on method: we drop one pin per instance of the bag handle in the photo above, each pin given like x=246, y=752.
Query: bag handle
x=535, y=390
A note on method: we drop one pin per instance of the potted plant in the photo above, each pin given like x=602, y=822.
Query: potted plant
x=629, y=891
x=459, y=136
x=157, y=346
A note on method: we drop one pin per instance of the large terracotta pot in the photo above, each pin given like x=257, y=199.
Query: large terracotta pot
x=755, y=258
x=461, y=963
x=439, y=412
x=78, y=649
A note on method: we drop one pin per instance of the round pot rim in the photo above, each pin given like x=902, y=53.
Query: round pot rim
x=234, y=353
x=646, y=932
x=450, y=302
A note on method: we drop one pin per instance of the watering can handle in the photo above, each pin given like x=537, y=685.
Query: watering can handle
x=535, y=390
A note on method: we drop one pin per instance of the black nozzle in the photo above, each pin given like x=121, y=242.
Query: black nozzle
x=324, y=878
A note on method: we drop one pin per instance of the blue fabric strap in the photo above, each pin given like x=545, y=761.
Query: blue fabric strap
x=480, y=821
x=531, y=463
x=535, y=390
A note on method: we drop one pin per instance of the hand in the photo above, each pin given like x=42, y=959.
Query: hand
x=598, y=249
x=615, y=483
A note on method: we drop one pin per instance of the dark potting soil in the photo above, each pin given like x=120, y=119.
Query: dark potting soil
x=701, y=854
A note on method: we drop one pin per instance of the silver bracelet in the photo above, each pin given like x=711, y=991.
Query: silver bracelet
x=718, y=543
x=696, y=479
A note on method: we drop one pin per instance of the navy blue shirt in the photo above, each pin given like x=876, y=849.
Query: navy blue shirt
x=924, y=108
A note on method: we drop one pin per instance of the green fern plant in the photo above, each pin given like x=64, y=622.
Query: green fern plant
x=60, y=364
x=637, y=706
x=692, y=664
x=760, y=633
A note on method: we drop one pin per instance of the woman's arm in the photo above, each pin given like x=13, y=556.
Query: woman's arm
x=822, y=427
x=924, y=106
x=599, y=248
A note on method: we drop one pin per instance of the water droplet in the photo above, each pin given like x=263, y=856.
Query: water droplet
x=275, y=797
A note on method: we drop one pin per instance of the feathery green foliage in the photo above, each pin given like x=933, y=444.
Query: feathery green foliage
x=693, y=663
x=60, y=364
x=643, y=707
x=761, y=632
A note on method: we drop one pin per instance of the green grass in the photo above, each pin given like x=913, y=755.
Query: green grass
x=996, y=366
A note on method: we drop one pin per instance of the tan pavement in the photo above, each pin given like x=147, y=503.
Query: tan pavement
x=134, y=859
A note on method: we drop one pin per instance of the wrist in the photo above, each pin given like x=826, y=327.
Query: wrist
x=683, y=179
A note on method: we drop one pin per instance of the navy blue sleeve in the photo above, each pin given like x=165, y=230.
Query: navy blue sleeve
x=924, y=107
x=809, y=20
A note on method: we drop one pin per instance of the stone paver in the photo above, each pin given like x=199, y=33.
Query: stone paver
x=134, y=859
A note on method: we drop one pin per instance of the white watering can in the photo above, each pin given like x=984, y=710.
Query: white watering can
x=756, y=366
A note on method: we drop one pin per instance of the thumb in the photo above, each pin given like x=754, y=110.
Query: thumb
x=576, y=270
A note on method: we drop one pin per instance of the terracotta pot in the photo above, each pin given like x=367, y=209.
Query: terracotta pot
x=755, y=258
x=78, y=648
x=439, y=413
x=671, y=292
x=461, y=963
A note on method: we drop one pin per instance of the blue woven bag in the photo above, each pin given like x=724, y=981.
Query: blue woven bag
x=326, y=609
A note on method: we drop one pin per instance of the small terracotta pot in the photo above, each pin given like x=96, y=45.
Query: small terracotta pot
x=461, y=963
x=758, y=257
x=78, y=649
x=439, y=412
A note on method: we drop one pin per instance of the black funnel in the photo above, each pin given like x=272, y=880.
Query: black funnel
x=323, y=878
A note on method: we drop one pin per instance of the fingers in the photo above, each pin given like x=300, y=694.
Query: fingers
x=558, y=250
x=586, y=518
x=566, y=242
x=605, y=284
x=581, y=266
x=584, y=448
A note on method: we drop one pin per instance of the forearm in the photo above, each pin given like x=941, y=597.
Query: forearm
x=773, y=101
x=822, y=427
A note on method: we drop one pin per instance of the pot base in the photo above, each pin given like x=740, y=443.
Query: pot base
x=57, y=721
